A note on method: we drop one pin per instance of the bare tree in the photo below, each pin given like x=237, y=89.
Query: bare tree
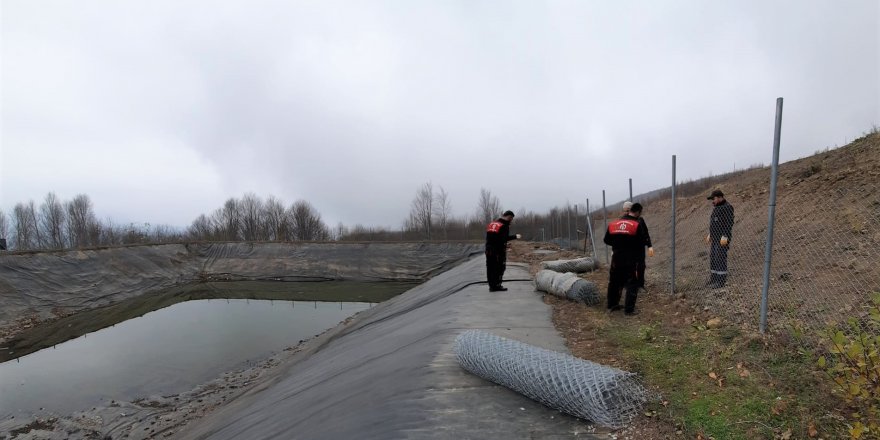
x=443, y=211
x=340, y=232
x=52, y=220
x=276, y=222
x=251, y=211
x=306, y=222
x=80, y=221
x=488, y=206
x=24, y=236
x=421, y=211
x=4, y=225
x=228, y=219
x=201, y=228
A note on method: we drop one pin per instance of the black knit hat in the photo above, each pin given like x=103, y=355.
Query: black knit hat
x=506, y=213
x=716, y=193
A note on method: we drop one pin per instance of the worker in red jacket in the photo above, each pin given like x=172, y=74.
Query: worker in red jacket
x=497, y=236
x=626, y=236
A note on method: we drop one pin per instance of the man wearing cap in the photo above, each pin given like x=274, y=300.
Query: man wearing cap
x=642, y=265
x=497, y=236
x=625, y=236
x=720, y=233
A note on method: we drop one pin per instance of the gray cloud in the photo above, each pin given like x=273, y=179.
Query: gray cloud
x=161, y=110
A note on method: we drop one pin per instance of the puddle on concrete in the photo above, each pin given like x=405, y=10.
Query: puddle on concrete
x=162, y=352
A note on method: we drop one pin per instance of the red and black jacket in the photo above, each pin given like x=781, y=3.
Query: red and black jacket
x=497, y=235
x=627, y=237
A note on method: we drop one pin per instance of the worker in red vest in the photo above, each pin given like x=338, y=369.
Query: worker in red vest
x=497, y=236
x=626, y=236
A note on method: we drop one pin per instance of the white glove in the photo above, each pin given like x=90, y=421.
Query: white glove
x=518, y=236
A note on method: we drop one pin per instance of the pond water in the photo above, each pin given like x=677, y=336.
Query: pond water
x=163, y=352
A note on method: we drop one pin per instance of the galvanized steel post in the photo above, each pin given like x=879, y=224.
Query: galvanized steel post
x=630, y=189
x=605, y=215
x=590, y=229
x=771, y=216
x=672, y=245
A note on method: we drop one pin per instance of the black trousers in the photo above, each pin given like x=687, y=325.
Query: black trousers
x=496, y=263
x=624, y=275
x=641, y=268
x=718, y=264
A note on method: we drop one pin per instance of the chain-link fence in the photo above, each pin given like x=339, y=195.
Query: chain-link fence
x=825, y=260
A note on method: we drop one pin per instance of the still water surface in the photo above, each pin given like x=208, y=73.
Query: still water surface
x=163, y=352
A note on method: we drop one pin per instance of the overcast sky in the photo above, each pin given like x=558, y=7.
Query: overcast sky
x=161, y=110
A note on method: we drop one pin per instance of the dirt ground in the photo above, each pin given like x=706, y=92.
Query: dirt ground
x=577, y=322
x=659, y=345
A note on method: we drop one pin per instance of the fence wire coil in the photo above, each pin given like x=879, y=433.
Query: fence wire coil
x=567, y=285
x=594, y=392
x=578, y=265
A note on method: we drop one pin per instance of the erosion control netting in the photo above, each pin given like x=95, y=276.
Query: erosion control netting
x=567, y=285
x=577, y=265
x=604, y=395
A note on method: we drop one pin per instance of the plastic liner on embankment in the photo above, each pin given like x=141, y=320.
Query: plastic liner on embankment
x=41, y=283
x=391, y=373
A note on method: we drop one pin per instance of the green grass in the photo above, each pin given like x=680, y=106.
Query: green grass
x=780, y=393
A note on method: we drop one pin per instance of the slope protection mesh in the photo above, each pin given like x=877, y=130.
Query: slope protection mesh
x=577, y=265
x=594, y=392
x=567, y=285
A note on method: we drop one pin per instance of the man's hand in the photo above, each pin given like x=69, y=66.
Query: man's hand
x=708, y=239
x=724, y=241
x=650, y=252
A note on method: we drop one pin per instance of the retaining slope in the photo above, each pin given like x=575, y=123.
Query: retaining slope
x=71, y=281
x=391, y=373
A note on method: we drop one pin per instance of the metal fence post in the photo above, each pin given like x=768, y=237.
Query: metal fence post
x=771, y=216
x=590, y=229
x=630, y=189
x=672, y=254
x=576, y=227
x=568, y=226
x=605, y=215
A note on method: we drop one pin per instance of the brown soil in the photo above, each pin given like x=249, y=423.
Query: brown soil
x=579, y=323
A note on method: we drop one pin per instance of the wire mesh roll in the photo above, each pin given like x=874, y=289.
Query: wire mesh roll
x=576, y=265
x=594, y=392
x=567, y=285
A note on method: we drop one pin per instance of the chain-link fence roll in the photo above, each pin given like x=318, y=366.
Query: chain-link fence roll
x=594, y=392
x=567, y=285
x=577, y=265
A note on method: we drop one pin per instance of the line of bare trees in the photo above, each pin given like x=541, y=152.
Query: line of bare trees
x=60, y=224
x=251, y=218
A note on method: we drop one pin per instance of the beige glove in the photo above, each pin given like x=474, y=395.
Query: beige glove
x=708, y=239
x=650, y=252
x=518, y=236
x=724, y=241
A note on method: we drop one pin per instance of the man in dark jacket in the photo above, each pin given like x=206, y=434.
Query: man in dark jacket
x=642, y=265
x=720, y=233
x=497, y=236
x=625, y=236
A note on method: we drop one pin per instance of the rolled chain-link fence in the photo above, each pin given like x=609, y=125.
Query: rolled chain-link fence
x=567, y=285
x=594, y=392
